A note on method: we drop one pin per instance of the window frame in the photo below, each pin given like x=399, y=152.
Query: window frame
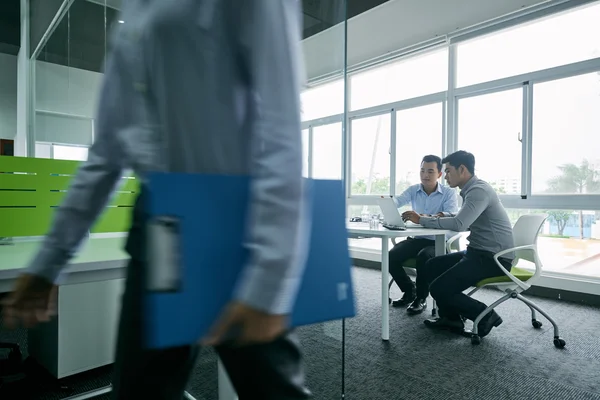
x=450, y=98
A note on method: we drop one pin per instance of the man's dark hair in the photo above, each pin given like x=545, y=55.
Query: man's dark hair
x=459, y=158
x=435, y=159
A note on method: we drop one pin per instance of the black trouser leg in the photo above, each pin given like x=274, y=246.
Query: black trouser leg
x=433, y=269
x=402, y=252
x=272, y=371
x=422, y=283
x=139, y=372
x=461, y=272
x=267, y=371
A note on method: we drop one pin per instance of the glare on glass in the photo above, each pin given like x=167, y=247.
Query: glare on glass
x=305, y=152
x=418, y=133
x=43, y=150
x=551, y=42
x=489, y=126
x=323, y=100
x=327, y=151
x=566, y=136
x=74, y=153
x=370, y=157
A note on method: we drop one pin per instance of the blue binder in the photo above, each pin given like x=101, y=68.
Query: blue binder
x=206, y=215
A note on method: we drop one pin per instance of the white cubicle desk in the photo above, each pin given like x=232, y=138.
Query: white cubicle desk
x=363, y=230
x=83, y=334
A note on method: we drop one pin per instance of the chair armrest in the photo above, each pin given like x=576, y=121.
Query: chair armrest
x=452, y=240
x=513, y=278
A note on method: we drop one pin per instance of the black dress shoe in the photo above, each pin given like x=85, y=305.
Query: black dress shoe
x=454, y=325
x=491, y=320
x=405, y=300
x=417, y=306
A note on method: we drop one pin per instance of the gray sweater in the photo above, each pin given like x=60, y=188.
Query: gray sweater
x=482, y=213
x=209, y=86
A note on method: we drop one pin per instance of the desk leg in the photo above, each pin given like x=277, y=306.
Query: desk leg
x=226, y=390
x=385, y=295
x=440, y=250
x=440, y=245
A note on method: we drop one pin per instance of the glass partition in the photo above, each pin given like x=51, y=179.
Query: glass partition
x=68, y=61
x=324, y=96
x=68, y=74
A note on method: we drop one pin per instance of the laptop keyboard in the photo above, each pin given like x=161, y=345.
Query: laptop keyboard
x=393, y=227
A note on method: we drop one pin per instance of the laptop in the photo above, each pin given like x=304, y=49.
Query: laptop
x=392, y=218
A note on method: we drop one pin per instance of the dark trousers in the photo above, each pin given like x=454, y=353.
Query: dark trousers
x=449, y=275
x=270, y=371
x=421, y=249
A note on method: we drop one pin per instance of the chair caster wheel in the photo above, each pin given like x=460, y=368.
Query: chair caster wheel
x=559, y=343
x=475, y=339
x=536, y=324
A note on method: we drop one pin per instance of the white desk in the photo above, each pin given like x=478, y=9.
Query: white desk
x=83, y=335
x=78, y=339
x=362, y=229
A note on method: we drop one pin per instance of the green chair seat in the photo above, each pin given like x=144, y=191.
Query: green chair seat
x=410, y=263
x=519, y=273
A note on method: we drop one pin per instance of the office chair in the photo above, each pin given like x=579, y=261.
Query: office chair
x=513, y=283
x=452, y=245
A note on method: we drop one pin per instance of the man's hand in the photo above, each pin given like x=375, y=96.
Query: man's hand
x=32, y=301
x=411, y=216
x=250, y=326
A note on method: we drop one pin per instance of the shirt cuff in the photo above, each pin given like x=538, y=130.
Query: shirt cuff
x=427, y=222
x=48, y=264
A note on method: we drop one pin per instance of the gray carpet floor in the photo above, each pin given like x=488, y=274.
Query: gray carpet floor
x=514, y=362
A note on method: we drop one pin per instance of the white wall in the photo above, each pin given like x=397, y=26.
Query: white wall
x=66, y=90
x=8, y=96
x=66, y=101
x=399, y=24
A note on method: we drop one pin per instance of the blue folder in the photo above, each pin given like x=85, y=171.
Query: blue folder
x=208, y=215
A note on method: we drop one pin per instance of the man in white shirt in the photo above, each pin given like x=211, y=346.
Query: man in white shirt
x=427, y=198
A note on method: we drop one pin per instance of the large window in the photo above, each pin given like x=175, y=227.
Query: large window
x=70, y=153
x=323, y=100
x=61, y=152
x=401, y=80
x=569, y=242
x=566, y=136
x=555, y=41
x=489, y=126
x=370, y=160
x=418, y=133
x=327, y=151
x=305, y=152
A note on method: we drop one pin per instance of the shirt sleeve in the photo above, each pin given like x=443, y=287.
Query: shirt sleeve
x=450, y=205
x=475, y=203
x=276, y=239
x=91, y=187
x=404, y=198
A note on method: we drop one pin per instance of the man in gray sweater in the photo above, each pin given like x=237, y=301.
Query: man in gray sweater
x=209, y=86
x=484, y=216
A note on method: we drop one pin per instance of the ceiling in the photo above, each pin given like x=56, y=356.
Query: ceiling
x=10, y=26
x=80, y=38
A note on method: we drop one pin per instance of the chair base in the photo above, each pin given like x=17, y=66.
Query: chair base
x=514, y=294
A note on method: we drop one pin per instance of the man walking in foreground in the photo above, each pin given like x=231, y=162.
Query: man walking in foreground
x=196, y=86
